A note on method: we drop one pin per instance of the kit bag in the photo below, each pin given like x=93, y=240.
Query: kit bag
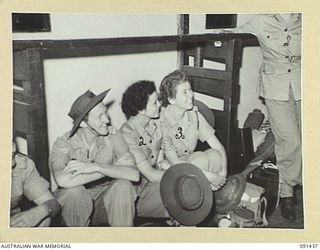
x=251, y=210
x=267, y=176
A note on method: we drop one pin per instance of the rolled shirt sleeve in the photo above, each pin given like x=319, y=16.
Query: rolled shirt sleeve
x=132, y=139
x=34, y=185
x=61, y=152
x=121, y=151
x=252, y=26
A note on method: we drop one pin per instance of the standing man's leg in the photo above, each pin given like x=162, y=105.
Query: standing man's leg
x=298, y=109
x=285, y=123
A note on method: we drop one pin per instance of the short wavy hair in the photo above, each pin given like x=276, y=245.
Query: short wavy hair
x=168, y=86
x=136, y=97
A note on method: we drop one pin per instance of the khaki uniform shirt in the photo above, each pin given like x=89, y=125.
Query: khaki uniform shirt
x=144, y=143
x=26, y=181
x=280, y=45
x=182, y=133
x=110, y=149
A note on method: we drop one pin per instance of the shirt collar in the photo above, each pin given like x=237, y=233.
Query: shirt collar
x=172, y=117
x=99, y=141
x=295, y=17
x=151, y=127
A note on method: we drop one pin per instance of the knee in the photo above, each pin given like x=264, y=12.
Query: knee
x=78, y=193
x=215, y=160
x=197, y=157
x=290, y=144
x=124, y=187
x=121, y=193
x=122, y=184
x=213, y=154
x=77, y=196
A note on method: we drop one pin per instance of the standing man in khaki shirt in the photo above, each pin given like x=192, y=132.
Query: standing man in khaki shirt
x=93, y=168
x=279, y=36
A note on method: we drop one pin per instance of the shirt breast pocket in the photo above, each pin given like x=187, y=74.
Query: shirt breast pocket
x=272, y=41
x=144, y=146
x=80, y=154
x=156, y=146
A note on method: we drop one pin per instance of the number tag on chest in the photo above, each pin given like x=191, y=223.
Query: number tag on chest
x=179, y=134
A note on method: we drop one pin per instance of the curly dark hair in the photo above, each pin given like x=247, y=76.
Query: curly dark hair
x=169, y=84
x=136, y=97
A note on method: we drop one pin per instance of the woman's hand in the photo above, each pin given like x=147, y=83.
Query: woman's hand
x=164, y=165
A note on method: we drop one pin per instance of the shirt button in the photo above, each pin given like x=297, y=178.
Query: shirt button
x=287, y=57
x=289, y=70
x=285, y=30
x=268, y=36
x=150, y=141
x=152, y=156
x=186, y=151
x=285, y=44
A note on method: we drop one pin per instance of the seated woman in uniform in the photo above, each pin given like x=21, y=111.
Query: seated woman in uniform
x=143, y=134
x=25, y=180
x=183, y=125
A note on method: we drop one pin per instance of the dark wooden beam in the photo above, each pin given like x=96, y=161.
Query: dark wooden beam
x=80, y=43
x=183, y=29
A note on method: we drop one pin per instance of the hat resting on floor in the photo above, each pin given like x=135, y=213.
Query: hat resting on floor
x=186, y=193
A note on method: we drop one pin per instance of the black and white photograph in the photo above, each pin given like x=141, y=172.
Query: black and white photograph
x=157, y=120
